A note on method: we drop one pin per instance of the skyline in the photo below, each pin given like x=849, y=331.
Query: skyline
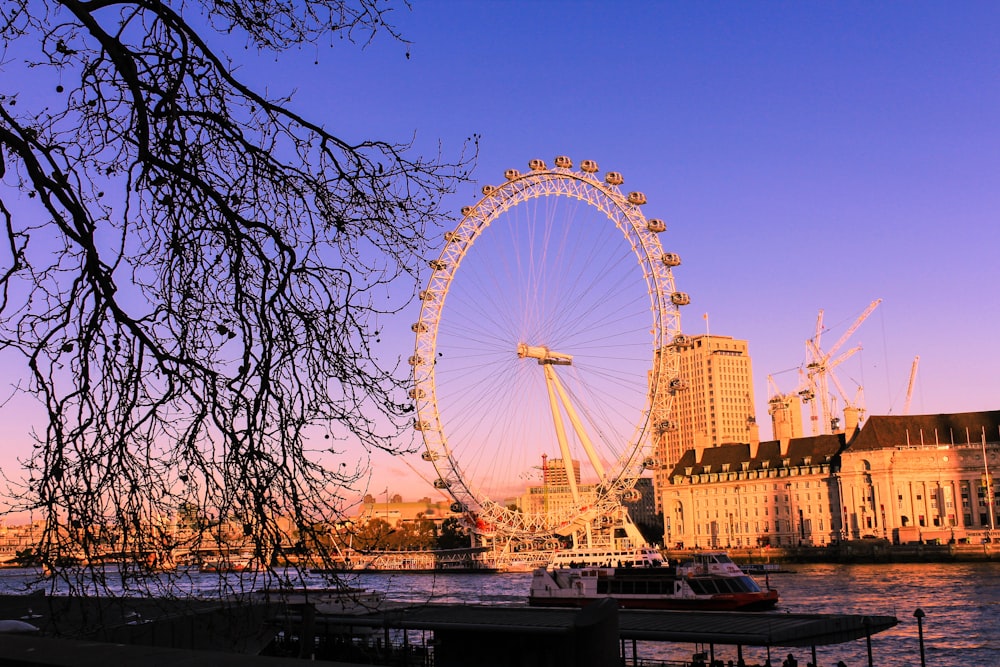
x=804, y=157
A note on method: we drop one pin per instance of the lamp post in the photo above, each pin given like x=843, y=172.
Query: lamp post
x=919, y=615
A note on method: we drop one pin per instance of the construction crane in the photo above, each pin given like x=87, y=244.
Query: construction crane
x=775, y=398
x=819, y=371
x=909, y=386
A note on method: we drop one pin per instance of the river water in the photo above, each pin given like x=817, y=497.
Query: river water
x=961, y=603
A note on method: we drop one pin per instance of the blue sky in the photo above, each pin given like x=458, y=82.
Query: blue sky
x=805, y=156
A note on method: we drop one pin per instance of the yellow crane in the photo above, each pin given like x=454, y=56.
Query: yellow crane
x=909, y=386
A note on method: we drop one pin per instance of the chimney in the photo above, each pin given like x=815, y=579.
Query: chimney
x=781, y=419
x=754, y=431
x=784, y=446
x=852, y=420
x=701, y=443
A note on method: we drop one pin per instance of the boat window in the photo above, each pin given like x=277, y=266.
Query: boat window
x=708, y=586
x=750, y=584
x=731, y=585
x=722, y=558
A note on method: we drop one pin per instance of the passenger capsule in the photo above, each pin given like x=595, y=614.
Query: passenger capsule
x=589, y=166
x=671, y=259
x=415, y=360
x=438, y=264
x=417, y=393
x=427, y=295
x=537, y=165
x=488, y=190
x=511, y=174
x=677, y=384
x=613, y=178
x=420, y=425
x=636, y=198
x=649, y=462
x=632, y=496
x=466, y=210
x=429, y=456
x=564, y=162
x=681, y=340
x=457, y=508
x=441, y=483
x=666, y=425
x=656, y=225
x=680, y=298
x=451, y=236
x=418, y=327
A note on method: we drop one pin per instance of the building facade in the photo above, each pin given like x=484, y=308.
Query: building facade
x=921, y=478
x=716, y=404
x=775, y=493
x=901, y=478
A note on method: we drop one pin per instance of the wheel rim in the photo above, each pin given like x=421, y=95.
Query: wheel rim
x=569, y=264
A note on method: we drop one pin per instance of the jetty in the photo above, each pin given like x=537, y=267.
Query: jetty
x=74, y=632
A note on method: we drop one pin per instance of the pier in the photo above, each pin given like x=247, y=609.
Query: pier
x=181, y=632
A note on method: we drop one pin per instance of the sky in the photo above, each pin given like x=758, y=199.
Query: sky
x=804, y=156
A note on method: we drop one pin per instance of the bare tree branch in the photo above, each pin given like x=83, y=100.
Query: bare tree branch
x=194, y=273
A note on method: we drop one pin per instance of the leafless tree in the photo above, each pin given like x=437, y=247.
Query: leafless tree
x=195, y=273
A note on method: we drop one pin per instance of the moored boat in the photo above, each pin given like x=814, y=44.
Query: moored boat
x=710, y=581
x=231, y=563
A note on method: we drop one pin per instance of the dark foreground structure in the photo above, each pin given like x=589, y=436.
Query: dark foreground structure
x=177, y=633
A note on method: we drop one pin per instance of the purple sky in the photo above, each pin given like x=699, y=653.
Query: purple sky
x=805, y=156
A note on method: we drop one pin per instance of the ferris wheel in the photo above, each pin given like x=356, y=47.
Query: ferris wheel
x=541, y=388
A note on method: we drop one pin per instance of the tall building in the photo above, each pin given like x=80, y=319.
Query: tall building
x=554, y=498
x=554, y=472
x=715, y=405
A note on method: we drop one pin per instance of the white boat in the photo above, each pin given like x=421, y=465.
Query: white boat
x=608, y=556
x=708, y=582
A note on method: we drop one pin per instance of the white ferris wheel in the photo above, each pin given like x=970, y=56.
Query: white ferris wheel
x=540, y=388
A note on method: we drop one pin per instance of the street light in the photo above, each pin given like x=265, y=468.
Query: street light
x=919, y=615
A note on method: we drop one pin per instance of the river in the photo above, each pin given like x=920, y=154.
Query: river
x=961, y=603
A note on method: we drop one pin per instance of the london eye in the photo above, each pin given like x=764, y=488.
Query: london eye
x=546, y=350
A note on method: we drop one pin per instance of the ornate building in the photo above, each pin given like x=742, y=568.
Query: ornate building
x=904, y=479
x=928, y=477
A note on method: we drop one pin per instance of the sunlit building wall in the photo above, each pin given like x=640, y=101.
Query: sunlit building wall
x=921, y=478
x=716, y=405
x=904, y=479
x=776, y=493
